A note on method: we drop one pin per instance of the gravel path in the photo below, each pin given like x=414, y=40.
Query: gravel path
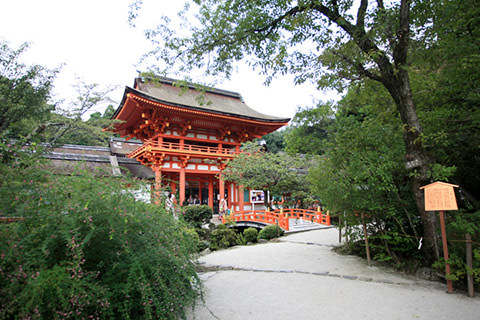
x=300, y=277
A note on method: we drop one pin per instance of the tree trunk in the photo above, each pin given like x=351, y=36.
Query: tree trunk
x=394, y=76
x=416, y=158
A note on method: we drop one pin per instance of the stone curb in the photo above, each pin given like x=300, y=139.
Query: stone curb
x=203, y=267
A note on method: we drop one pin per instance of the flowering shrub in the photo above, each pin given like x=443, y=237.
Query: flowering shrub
x=81, y=248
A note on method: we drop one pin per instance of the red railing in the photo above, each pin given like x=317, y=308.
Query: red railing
x=279, y=216
x=177, y=147
x=11, y=219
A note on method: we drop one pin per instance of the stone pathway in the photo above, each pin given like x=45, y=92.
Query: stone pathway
x=300, y=277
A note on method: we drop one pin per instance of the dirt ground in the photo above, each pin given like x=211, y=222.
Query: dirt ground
x=300, y=277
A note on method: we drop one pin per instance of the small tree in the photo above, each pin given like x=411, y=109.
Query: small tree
x=72, y=128
x=275, y=172
x=270, y=232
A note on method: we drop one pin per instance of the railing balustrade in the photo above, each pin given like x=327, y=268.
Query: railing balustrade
x=169, y=146
x=279, y=216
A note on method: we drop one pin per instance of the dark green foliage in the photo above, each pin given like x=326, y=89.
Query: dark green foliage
x=447, y=83
x=458, y=224
x=270, y=232
x=85, y=248
x=275, y=172
x=25, y=111
x=24, y=91
x=250, y=234
x=309, y=130
x=275, y=141
x=80, y=132
x=223, y=237
x=363, y=170
x=197, y=216
x=241, y=241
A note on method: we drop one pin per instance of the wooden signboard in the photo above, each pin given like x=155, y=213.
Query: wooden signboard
x=440, y=196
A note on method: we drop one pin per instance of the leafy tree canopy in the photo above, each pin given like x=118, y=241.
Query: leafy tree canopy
x=24, y=92
x=275, y=172
x=275, y=141
x=335, y=43
x=309, y=130
x=67, y=126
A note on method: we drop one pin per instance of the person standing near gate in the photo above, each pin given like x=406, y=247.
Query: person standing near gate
x=222, y=208
x=170, y=203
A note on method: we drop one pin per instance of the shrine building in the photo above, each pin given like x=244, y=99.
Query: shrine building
x=187, y=136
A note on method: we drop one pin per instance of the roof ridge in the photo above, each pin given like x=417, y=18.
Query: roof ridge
x=191, y=85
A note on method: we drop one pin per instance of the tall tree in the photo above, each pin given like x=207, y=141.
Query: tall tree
x=24, y=92
x=73, y=128
x=362, y=171
x=309, y=130
x=352, y=39
x=447, y=81
x=275, y=140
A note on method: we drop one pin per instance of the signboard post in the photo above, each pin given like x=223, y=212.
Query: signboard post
x=257, y=196
x=440, y=196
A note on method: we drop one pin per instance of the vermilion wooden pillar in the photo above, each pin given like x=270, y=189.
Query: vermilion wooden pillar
x=241, y=198
x=182, y=185
x=210, y=191
x=232, y=194
x=221, y=188
x=158, y=184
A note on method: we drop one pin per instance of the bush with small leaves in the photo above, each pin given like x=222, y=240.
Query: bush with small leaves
x=197, y=216
x=222, y=238
x=82, y=247
x=270, y=232
x=251, y=235
x=241, y=241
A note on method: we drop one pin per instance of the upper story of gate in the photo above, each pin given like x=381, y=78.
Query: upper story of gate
x=176, y=118
x=164, y=107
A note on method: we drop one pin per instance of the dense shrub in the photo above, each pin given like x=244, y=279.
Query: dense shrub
x=250, y=234
x=222, y=238
x=270, y=232
x=84, y=248
x=241, y=240
x=460, y=223
x=197, y=216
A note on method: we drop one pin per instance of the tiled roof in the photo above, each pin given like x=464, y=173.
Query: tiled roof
x=171, y=92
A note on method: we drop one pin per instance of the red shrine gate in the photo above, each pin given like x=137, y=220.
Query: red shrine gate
x=189, y=134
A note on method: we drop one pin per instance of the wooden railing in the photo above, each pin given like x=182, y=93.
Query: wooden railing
x=11, y=219
x=177, y=147
x=279, y=216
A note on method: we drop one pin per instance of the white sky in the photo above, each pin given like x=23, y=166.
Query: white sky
x=93, y=40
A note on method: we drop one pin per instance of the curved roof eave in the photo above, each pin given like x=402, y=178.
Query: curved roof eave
x=147, y=96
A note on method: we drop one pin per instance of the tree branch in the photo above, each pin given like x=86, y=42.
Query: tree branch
x=381, y=5
x=360, y=68
x=361, y=14
x=360, y=37
x=388, y=27
x=403, y=34
x=42, y=128
x=268, y=28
